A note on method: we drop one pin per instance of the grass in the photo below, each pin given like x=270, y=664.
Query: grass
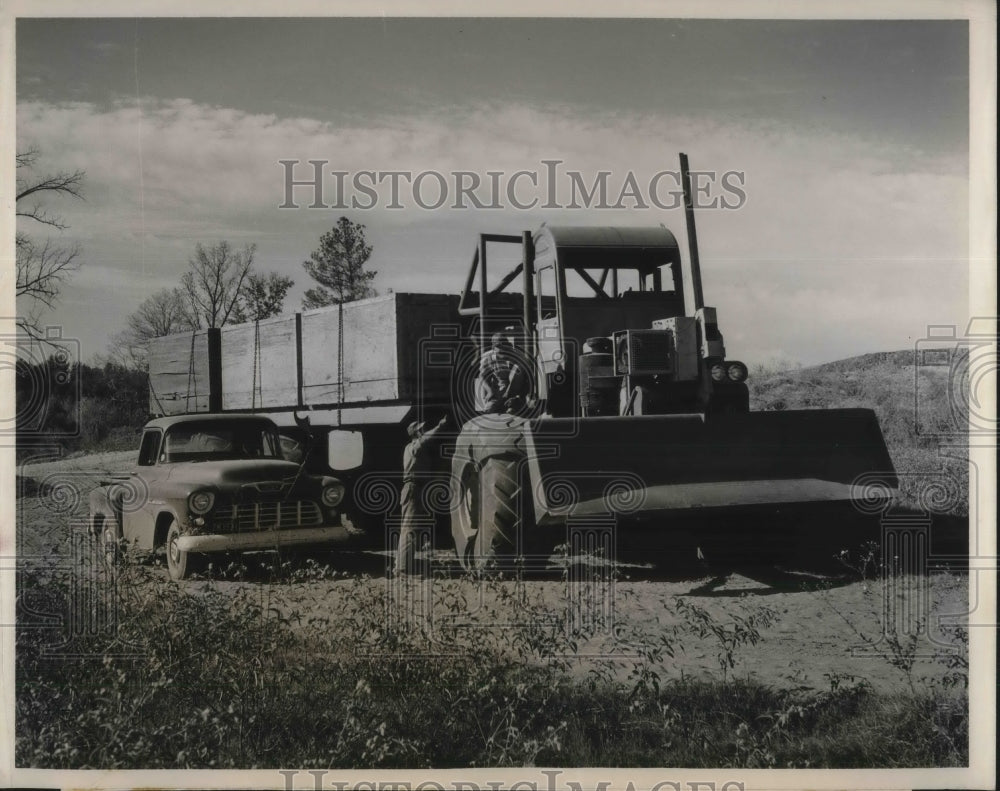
x=221, y=680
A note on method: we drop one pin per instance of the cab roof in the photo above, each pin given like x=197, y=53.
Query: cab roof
x=609, y=236
x=173, y=420
x=609, y=246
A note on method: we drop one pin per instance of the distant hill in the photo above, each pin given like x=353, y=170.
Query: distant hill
x=904, y=397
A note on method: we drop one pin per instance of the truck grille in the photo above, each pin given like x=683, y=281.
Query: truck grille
x=270, y=515
x=646, y=352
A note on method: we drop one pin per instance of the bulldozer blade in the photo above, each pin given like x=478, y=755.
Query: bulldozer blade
x=683, y=463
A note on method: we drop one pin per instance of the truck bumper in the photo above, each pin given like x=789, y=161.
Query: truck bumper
x=262, y=539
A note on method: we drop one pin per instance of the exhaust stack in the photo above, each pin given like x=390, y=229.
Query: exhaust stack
x=692, y=233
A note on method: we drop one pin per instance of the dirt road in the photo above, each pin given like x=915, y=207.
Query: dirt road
x=812, y=632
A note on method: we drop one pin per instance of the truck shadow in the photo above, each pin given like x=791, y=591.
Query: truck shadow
x=767, y=582
x=932, y=543
x=904, y=541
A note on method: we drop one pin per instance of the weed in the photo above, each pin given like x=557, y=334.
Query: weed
x=743, y=629
x=487, y=672
x=942, y=700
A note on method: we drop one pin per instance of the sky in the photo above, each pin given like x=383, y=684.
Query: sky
x=852, y=138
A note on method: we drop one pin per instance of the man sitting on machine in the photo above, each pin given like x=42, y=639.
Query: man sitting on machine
x=503, y=377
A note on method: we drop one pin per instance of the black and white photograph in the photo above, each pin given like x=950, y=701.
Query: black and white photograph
x=498, y=397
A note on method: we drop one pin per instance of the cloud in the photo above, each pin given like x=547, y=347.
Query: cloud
x=842, y=238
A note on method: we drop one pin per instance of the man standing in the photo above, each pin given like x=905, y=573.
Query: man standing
x=421, y=458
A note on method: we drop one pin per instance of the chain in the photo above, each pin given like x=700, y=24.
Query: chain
x=340, y=360
x=152, y=390
x=256, y=365
x=191, y=378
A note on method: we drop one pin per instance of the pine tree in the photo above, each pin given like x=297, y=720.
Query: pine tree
x=338, y=266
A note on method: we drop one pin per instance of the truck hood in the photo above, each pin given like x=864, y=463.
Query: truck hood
x=235, y=472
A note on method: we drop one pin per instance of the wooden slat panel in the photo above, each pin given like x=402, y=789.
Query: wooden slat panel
x=320, y=330
x=275, y=376
x=177, y=386
x=369, y=352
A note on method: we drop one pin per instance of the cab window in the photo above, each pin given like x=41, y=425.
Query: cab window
x=149, y=448
x=213, y=440
x=547, y=292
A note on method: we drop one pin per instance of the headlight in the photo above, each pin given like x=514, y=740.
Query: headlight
x=201, y=502
x=737, y=372
x=333, y=493
x=718, y=372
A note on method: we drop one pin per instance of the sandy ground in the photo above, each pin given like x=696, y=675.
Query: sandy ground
x=816, y=632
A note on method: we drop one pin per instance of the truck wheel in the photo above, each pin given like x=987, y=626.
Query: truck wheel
x=180, y=564
x=488, y=512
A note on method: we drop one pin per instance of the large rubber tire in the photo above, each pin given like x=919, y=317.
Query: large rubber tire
x=501, y=523
x=490, y=514
x=180, y=565
x=489, y=510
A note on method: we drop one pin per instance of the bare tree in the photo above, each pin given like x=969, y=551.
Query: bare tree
x=263, y=296
x=338, y=266
x=214, y=283
x=219, y=288
x=41, y=267
x=162, y=313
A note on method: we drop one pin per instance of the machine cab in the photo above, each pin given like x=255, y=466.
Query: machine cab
x=573, y=284
x=592, y=283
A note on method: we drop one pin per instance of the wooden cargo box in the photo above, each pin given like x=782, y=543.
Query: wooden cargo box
x=295, y=361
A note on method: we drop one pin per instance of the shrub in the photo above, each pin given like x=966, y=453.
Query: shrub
x=231, y=674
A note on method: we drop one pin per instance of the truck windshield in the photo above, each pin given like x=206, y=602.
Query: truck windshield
x=209, y=440
x=616, y=281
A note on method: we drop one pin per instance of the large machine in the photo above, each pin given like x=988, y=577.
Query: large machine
x=638, y=425
x=633, y=425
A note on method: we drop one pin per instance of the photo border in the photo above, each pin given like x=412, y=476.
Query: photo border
x=982, y=302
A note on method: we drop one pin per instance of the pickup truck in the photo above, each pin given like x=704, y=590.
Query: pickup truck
x=215, y=483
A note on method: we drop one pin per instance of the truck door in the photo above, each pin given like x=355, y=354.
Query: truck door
x=553, y=367
x=550, y=351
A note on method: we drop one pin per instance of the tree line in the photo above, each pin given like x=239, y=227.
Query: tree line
x=101, y=406
x=221, y=284
x=77, y=407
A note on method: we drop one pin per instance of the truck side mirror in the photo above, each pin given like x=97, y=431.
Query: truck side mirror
x=345, y=450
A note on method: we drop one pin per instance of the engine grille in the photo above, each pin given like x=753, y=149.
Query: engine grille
x=648, y=352
x=280, y=514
